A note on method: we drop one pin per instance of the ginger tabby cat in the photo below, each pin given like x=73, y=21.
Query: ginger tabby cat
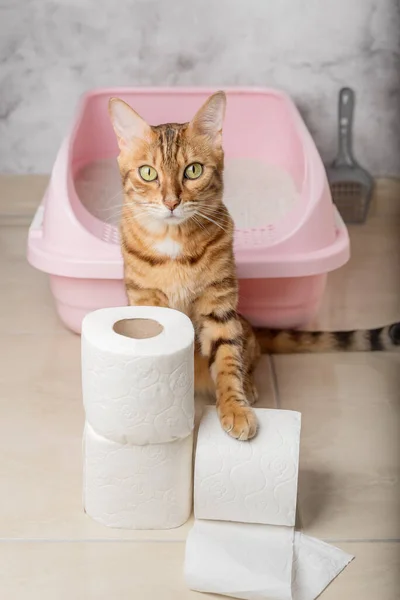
x=177, y=245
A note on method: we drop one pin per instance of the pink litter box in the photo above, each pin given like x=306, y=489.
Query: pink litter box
x=288, y=235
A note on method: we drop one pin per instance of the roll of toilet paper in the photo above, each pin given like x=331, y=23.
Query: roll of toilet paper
x=137, y=487
x=257, y=555
x=137, y=374
x=252, y=482
x=259, y=562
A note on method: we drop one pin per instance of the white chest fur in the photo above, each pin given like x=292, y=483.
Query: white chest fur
x=168, y=247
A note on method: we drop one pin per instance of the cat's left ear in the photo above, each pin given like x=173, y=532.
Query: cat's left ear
x=128, y=125
x=209, y=118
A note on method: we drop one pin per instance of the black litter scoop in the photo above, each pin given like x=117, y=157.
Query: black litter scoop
x=351, y=185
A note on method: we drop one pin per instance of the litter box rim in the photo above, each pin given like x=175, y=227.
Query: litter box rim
x=279, y=259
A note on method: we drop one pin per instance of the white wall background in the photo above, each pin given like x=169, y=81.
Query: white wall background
x=53, y=50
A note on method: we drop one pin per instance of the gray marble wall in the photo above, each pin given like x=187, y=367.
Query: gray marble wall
x=53, y=50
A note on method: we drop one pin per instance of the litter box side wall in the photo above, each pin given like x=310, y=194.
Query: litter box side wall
x=281, y=303
x=75, y=298
x=289, y=302
x=58, y=241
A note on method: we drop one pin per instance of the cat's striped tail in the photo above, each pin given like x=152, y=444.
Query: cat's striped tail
x=283, y=341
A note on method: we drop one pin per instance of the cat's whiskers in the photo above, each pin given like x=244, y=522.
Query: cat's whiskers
x=115, y=208
x=212, y=210
x=121, y=191
x=115, y=212
x=111, y=211
x=215, y=214
x=199, y=223
x=113, y=218
x=137, y=211
x=211, y=220
x=198, y=205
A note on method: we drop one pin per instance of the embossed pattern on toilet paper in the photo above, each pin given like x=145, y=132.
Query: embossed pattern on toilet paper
x=137, y=487
x=252, y=482
x=141, y=400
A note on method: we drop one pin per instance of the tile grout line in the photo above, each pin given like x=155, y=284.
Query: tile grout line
x=89, y=541
x=362, y=541
x=171, y=541
x=44, y=334
x=274, y=381
x=16, y=215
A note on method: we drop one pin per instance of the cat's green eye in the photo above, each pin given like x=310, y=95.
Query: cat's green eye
x=193, y=171
x=148, y=173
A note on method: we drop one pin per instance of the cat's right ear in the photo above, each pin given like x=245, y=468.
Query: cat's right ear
x=128, y=125
x=209, y=118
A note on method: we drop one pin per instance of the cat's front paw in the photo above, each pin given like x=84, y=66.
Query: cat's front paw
x=238, y=420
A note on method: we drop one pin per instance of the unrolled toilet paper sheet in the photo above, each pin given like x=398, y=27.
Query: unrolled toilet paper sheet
x=243, y=543
x=138, y=390
x=137, y=487
x=259, y=562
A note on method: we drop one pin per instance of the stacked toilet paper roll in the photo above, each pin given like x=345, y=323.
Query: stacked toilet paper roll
x=243, y=543
x=138, y=395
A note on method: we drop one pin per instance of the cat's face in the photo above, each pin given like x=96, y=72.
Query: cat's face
x=173, y=172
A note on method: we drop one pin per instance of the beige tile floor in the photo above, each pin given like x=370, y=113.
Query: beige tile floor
x=350, y=454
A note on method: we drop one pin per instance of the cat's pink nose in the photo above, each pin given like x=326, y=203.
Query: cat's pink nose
x=171, y=203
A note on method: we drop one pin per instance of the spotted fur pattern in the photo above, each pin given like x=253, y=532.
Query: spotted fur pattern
x=177, y=245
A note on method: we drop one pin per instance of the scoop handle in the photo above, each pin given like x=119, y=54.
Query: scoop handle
x=346, y=109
